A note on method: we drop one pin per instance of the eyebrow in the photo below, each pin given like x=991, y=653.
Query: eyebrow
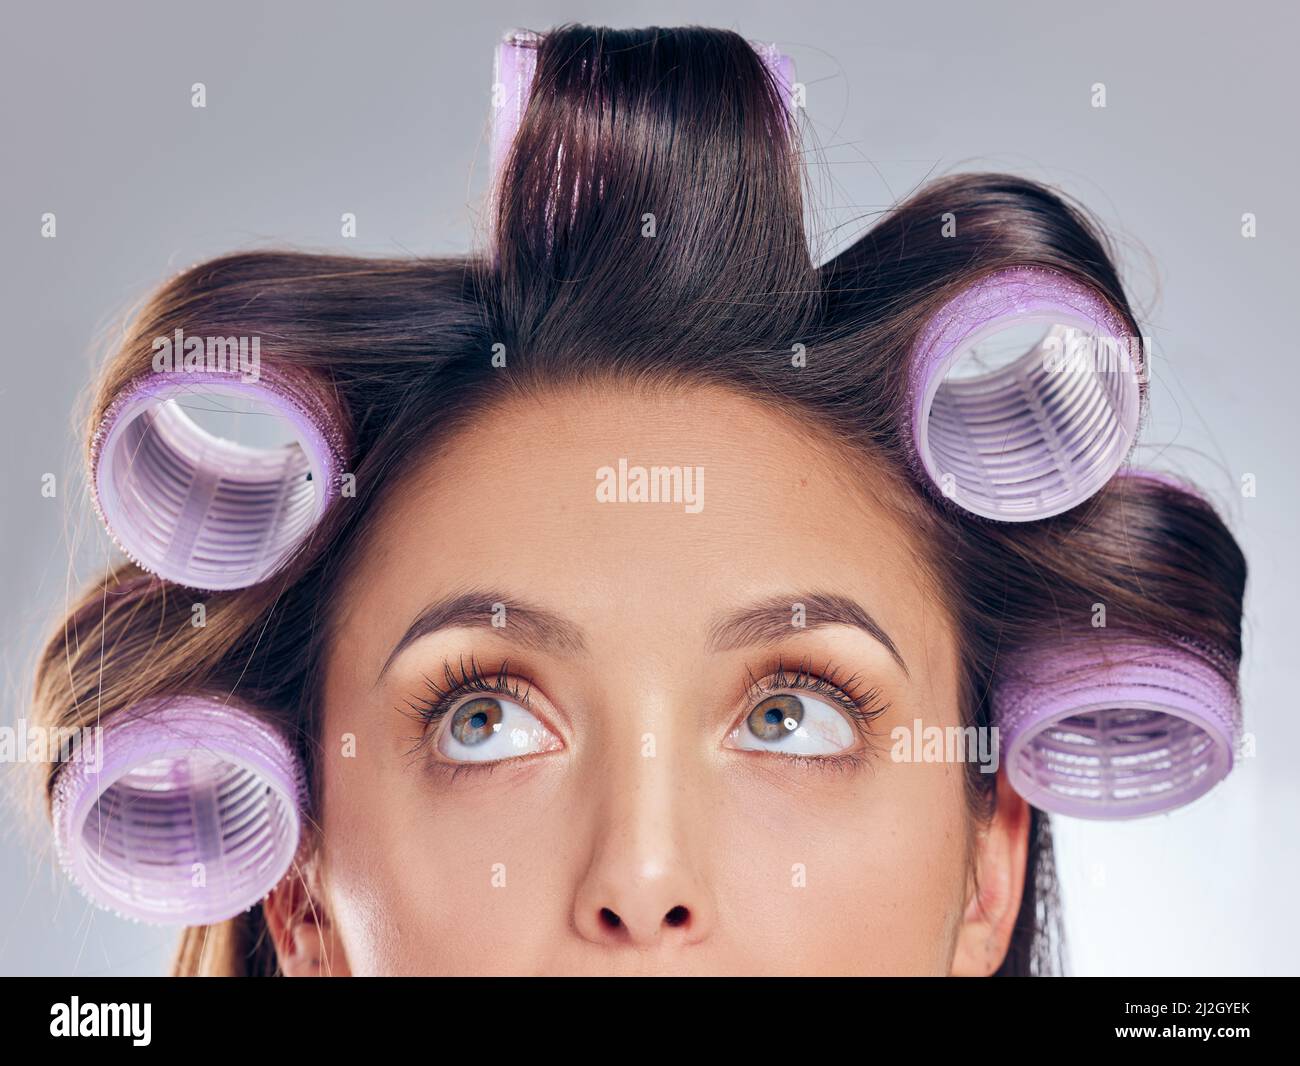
x=529, y=626
x=767, y=622
x=772, y=621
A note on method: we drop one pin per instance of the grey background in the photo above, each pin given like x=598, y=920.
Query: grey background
x=381, y=109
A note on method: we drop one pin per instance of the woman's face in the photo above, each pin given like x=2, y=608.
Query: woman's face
x=658, y=733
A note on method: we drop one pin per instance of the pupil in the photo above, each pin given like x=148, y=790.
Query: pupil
x=772, y=716
x=478, y=720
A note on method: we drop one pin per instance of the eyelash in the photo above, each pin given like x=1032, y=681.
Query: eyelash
x=862, y=710
x=460, y=680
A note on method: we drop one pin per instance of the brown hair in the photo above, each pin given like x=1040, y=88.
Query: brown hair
x=686, y=126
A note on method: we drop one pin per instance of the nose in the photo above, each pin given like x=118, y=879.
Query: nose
x=644, y=886
x=656, y=905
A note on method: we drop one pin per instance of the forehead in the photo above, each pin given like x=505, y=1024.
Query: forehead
x=636, y=512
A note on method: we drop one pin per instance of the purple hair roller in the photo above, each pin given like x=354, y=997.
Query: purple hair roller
x=512, y=84
x=191, y=818
x=781, y=69
x=1028, y=437
x=204, y=511
x=1115, y=730
x=516, y=63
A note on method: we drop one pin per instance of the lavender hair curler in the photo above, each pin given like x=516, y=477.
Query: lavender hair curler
x=192, y=817
x=203, y=511
x=1115, y=729
x=512, y=81
x=516, y=63
x=1034, y=437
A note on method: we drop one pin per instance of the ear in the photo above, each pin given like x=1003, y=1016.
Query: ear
x=301, y=930
x=995, y=887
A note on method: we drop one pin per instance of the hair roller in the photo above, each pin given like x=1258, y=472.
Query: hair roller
x=1112, y=728
x=512, y=80
x=204, y=511
x=516, y=63
x=191, y=817
x=780, y=67
x=1028, y=438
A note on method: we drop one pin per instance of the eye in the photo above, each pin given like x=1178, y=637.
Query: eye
x=794, y=725
x=488, y=728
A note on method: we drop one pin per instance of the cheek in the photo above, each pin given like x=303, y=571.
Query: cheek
x=871, y=881
x=415, y=890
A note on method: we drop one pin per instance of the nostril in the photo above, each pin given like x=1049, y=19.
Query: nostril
x=609, y=919
x=677, y=916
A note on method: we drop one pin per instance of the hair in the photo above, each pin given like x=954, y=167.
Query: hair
x=686, y=125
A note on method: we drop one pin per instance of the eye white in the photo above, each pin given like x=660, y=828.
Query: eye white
x=517, y=733
x=823, y=730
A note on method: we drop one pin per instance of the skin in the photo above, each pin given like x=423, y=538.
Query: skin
x=641, y=799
